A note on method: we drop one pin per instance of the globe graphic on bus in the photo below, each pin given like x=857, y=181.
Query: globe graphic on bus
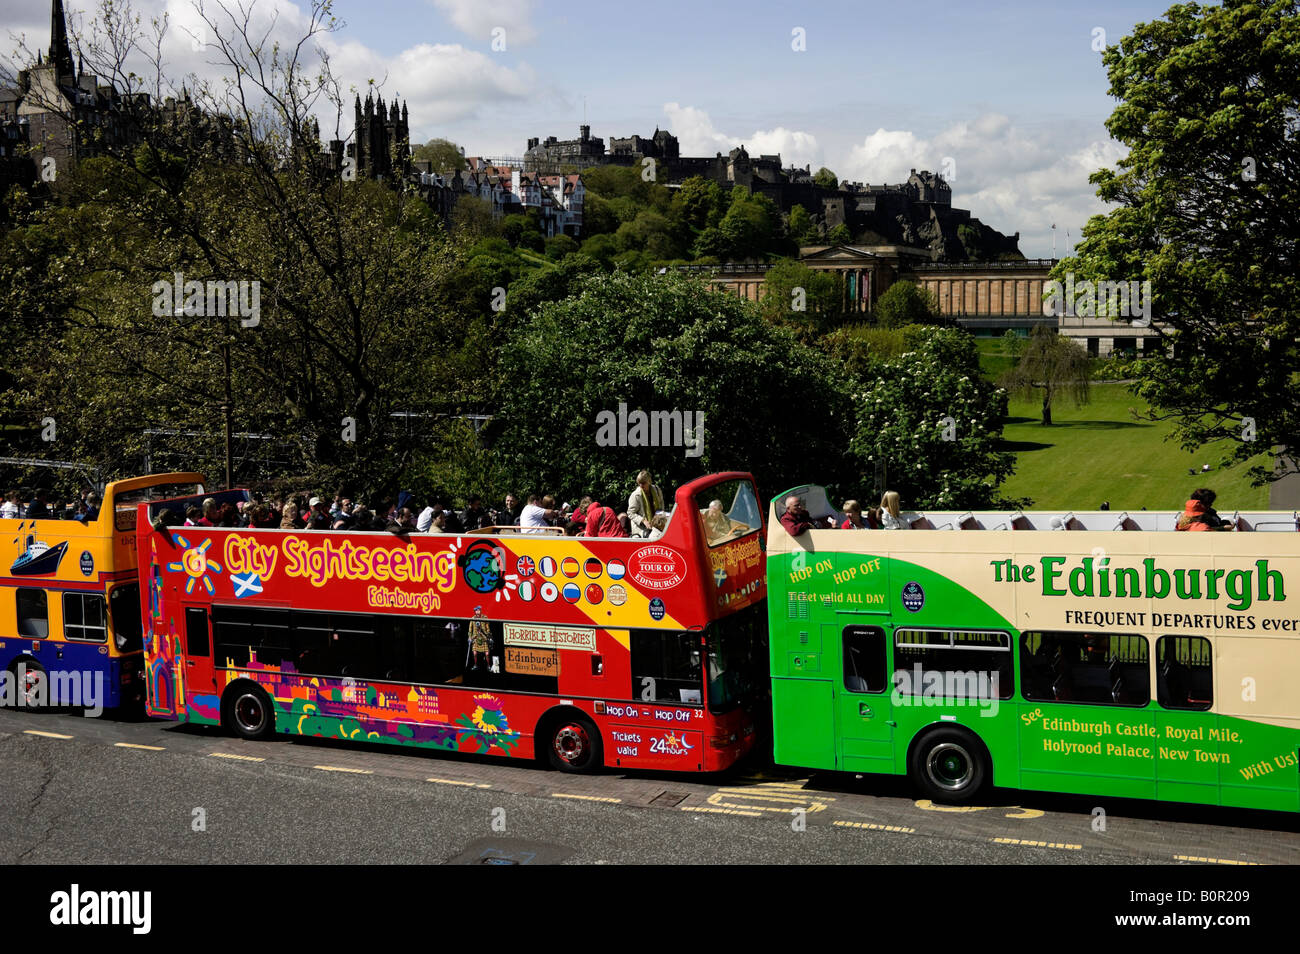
x=481, y=571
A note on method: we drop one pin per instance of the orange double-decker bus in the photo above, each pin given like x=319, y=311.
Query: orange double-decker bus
x=634, y=653
x=70, y=631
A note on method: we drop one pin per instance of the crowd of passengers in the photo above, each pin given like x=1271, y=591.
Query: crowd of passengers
x=644, y=516
x=1198, y=514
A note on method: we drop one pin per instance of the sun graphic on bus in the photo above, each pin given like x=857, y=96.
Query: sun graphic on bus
x=196, y=565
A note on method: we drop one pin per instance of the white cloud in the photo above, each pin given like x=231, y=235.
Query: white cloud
x=697, y=136
x=1012, y=177
x=477, y=19
x=441, y=82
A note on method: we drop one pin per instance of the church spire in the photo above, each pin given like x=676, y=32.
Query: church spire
x=60, y=51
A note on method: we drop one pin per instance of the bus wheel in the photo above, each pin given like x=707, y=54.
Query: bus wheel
x=247, y=711
x=574, y=745
x=27, y=675
x=950, y=765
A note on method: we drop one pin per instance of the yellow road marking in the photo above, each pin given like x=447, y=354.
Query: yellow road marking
x=45, y=735
x=720, y=811
x=1035, y=844
x=1012, y=811
x=873, y=827
x=239, y=758
x=786, y=795
x=453, y=781
x=340, y=768
x=1213, y=861
x=586, y=798
x=132, y=745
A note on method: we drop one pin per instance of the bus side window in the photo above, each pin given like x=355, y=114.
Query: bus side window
x=196, y=631
x=864, y=659
x=33, y=614
x=84, y=617
x=666, y=666
x=1099, y=668
x=439, y=651
x=1184, y=672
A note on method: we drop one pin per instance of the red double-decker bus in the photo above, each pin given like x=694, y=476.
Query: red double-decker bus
x=634, y=653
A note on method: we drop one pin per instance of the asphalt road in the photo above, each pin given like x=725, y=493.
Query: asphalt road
x=84, y=791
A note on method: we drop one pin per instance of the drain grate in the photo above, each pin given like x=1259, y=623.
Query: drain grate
x=668, y=799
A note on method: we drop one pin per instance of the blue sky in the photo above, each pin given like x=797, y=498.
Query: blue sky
x=1012, y=95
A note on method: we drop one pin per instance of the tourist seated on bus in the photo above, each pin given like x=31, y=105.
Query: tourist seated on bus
x=1199, y=513
x=538, y=514
x=717, y=525
x=38, y=509
x=890, y=515
x=853, y=519
x=645, y=508
x=795, y=518
x=10, y=509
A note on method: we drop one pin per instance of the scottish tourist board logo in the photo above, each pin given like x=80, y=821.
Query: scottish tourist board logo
x=913, y=596
x=656, y=609
x=87, y=563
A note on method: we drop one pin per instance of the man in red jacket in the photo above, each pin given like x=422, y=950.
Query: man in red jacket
x=796, y=519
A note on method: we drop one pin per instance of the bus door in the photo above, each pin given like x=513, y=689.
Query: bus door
x=199, y=676
x=864, y=716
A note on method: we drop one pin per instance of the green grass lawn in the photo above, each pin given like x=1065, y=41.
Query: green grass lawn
x=1101, y=452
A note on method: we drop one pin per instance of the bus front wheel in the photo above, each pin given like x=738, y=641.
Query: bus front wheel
x=573, y=745
x=950, y=765
x=247, y=711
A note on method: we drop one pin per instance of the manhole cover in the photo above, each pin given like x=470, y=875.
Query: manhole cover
x=510, y=851
x=668, y=799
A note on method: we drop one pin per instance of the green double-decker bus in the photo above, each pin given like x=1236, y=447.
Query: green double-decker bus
x=1094, y=653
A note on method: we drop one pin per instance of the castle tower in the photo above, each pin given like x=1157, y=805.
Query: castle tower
x=60, y=52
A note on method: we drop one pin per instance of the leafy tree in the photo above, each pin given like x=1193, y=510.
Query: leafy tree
x=665, y=342
x=825, y=179
x=1206, y=207
x=1053, y=364
x=929, y=422
x=800, y=226
x=513, y=226
x=702, y=202
x=858, y=347
x=750, y=226
x=560, y=246
x=805, y=300
x=472, y=219
x=549, y=284
x=711, y=243
x=352, y=277
x=443, y=155
x=906, y=303
x=840, y=235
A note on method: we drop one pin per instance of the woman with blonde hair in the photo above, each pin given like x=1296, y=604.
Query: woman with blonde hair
x=890, y=515
x=289, y=517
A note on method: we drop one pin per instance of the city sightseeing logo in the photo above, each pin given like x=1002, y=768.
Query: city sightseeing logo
x=196, y=565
